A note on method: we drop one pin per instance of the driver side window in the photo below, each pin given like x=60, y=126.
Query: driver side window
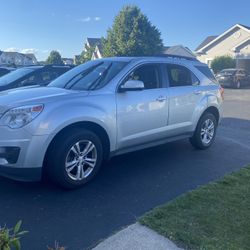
x=148, y=74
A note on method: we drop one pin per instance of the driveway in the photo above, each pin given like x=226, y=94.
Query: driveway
x=127, y=187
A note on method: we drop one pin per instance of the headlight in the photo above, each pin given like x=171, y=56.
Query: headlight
x=20, y=116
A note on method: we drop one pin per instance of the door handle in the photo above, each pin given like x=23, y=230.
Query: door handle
x=197, y=92
x=161, y=98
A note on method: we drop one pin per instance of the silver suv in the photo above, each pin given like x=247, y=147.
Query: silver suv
x=105, y=108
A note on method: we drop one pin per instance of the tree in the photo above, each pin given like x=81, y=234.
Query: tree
x=85, y=56
x=54, y=58
x=132, y=34
x=222, y=62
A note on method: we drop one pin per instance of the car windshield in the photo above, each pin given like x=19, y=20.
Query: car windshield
x=89, y=76
x=14, y=75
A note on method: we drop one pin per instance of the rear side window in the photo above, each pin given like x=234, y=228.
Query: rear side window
x=180, y=76
x=207, y=72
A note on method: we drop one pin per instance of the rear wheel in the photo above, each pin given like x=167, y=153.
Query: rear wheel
x=74, y=158
x=205, y=132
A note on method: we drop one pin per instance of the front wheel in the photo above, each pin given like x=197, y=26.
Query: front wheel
x=205, y=132
x=74, y=158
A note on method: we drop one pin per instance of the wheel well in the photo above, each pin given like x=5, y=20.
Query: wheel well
x=214, y=111
x=97, y=129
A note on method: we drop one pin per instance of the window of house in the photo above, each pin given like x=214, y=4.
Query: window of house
x=148, y=74
x=180, y=76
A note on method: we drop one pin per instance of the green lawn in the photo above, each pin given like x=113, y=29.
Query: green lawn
x=215, y=216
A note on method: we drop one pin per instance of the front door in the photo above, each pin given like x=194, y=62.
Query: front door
x=142, y=115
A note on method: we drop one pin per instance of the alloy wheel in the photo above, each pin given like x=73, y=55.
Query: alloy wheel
x=81, y=160
x=207, y=131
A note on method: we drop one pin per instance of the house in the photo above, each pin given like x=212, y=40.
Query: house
x=98, y=52
x=178, y=50
x=234, y=42
x=91, y=43
x=68, y=61
x=16, y=58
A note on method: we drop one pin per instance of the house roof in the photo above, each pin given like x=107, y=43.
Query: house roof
x=201, y=48
x=241, y=43
x=205, y=42
x=178, y=50
x=93, y=41
x=247, y=27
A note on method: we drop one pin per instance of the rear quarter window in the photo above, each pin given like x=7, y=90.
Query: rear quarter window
x=207, y=72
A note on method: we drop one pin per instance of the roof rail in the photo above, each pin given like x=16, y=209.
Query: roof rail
x=178, y=57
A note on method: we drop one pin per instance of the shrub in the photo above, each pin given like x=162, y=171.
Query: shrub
x=10, y=238
x=222, y=62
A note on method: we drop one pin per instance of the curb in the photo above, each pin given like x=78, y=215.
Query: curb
x=136, y=237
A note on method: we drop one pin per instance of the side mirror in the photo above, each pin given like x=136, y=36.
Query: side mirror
x=132, y=85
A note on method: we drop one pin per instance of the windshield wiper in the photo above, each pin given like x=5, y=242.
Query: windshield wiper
x=101, y=77
x=82, y=74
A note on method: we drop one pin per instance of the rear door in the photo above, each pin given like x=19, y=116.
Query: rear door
x=242, y=76
x=185, y=93
x=142, y=115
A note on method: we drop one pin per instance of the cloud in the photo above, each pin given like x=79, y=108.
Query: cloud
x=29, y=51
x=84, y=20
x=97, y=18
x=88, y=19
x=12, y=49
x=24, y=51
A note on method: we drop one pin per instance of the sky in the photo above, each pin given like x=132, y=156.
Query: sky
x=35, y=26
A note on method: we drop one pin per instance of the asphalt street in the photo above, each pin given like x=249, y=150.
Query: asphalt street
x=127, y=186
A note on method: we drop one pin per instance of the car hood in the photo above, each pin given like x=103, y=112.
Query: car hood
x=34, y=95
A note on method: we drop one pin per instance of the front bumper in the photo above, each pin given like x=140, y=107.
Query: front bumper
x=32, y=149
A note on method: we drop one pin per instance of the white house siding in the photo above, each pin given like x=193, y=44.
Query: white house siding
x=16, y=58
x=225, y=45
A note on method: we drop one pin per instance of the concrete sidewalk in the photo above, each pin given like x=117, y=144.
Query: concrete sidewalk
x=136, y=237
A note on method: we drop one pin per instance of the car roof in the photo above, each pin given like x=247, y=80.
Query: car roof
x=232, y=69
x=163, y=58
x=8, y=68
x=45, y=66
x=31, y=67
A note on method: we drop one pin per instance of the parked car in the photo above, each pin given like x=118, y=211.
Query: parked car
x=105, y=108
x=5, y=70
x=32, y=75
x=234, y=78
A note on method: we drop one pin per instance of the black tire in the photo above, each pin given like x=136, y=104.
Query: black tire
x=196, y=139
x=59, y=151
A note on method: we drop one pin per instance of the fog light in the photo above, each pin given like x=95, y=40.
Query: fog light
x=9, y=155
